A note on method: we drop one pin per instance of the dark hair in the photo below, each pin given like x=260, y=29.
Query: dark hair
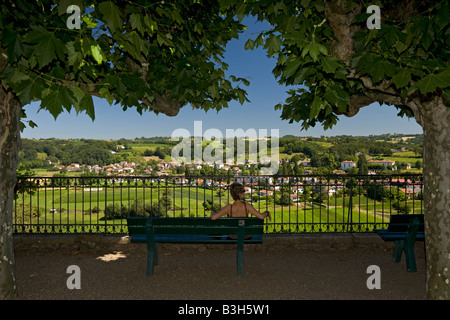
x=236, y=189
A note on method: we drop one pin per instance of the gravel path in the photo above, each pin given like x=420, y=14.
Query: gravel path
x=286, y=272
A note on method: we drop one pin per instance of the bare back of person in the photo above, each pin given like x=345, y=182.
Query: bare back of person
x=238, y=210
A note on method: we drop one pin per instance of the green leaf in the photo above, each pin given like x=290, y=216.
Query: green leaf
x=336, y=95
x=74, y=56
x=136, y=23
x=329, y=64
x=48, y=47
x=260, y=40
x=111, y=15
x=37, y=34
x=104, y=92
x=250, y=44
x=314, y=49
x=240, y=11
x=316, y=106
x=389, y=34
x=428, y=35
x=150, y=24
x=97, y=53
x=241, y=96
x=77, y=95
x=177, y=17
x=214, y=90
x=37, y=87
x=400, y=46
x=67, y=97
x=164, y=40
x=379, y=70
x=323, y=50
x=31, y=90
x=302, y=74
x=52, y=102
x=25, y=92
x=273, y=44
x=13, y=42
x=133, y=44
x=402, y=78
x=32, y=124
x=433, y=81
x=87, y=105
x=291, y=67
x=16, y=76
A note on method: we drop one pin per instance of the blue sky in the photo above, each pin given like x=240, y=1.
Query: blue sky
x=264, y=92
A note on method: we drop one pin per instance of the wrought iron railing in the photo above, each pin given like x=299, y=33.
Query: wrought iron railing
x=298, y=204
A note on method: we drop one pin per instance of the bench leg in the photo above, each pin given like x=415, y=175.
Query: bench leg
x=410, y=257
x=152, y=257
x=398, y=250
x=240, y=261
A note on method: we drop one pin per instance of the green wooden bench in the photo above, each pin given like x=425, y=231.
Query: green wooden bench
x=404, y=230
x=154, y=230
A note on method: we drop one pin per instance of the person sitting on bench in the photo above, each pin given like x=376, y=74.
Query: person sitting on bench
x=239, y=209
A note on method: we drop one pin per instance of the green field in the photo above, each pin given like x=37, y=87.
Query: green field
x=83, y=209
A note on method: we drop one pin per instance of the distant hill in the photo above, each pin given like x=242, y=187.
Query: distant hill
x=320, y=151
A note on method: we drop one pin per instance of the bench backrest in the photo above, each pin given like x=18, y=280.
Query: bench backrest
x=138, y=225
x=401, y=222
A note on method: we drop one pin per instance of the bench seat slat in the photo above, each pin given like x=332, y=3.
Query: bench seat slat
x=199, y=238
x=400, y=236
x=193, y=231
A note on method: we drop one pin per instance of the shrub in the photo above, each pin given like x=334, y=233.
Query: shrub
x=115, y=211
x=209, y=205
x=402, y=207
x=376, y=191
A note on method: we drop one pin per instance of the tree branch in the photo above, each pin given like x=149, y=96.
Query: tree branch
x=340, y=21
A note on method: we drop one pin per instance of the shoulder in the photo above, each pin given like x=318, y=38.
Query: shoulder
x=248, y=205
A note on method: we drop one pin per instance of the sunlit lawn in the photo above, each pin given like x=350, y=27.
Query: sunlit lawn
x=82, y=209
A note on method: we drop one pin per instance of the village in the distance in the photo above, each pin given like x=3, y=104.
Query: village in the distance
x=390, y=153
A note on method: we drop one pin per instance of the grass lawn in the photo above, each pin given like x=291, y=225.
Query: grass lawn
x=83, y=209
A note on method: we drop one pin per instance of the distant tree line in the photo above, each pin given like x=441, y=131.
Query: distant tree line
x=325, y=153
x=45, y=153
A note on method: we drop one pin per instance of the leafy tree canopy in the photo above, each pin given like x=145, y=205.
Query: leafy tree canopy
x=335, y=64
x=150, y=55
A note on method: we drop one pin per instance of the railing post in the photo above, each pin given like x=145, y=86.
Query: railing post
x=350, y=209
x=240, y=247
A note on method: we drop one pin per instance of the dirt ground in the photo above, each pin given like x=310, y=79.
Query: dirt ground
x=276, y=270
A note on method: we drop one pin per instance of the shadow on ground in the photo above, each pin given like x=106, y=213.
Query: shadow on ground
x=282, y=268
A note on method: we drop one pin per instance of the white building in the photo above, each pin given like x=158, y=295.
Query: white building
x=384, y=163
x=345, y=165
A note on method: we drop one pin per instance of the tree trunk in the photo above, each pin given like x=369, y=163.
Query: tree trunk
x=9, y=149
x=436, y=127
